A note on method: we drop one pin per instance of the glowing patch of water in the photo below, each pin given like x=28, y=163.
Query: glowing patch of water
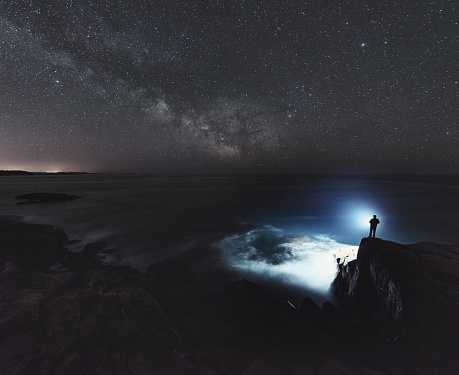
x=309, y=262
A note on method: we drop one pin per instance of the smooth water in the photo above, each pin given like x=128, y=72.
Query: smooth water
x=282, y=232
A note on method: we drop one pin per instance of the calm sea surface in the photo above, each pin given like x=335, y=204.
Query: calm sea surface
x=282, y=232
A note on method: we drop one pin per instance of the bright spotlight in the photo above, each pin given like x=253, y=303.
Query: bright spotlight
x=361, y=216
x=363, y=219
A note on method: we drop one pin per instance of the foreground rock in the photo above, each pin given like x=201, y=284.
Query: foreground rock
x=409, y=296
x=30, y=246
x=89, y=318
x=95, y=319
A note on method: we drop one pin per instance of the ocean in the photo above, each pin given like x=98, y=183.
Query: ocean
x=283, y=232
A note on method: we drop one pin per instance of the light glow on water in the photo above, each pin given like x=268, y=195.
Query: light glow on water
x=268, y=252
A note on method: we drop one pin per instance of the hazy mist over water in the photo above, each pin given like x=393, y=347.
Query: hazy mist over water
x=280, y=231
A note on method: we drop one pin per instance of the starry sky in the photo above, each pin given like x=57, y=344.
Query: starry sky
x=229, y=86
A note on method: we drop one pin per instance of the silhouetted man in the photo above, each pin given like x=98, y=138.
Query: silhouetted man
x=373, y=224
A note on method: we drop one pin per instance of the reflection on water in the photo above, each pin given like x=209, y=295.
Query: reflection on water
x=304, y=262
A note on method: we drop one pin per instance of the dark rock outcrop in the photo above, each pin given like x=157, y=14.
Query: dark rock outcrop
x=409, y=295
x=86, y=317
x=30, y=246
x=45, y=197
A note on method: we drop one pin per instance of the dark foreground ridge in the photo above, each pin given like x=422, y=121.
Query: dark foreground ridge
x=83, y=317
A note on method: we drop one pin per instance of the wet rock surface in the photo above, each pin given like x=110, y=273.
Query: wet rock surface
x=85, y=317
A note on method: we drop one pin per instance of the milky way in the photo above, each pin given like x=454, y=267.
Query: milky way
x=229, y=86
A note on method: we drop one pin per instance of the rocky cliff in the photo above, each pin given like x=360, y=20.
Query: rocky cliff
x=407, y=295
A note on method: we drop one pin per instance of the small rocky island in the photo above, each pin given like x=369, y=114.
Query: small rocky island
x=68, y=313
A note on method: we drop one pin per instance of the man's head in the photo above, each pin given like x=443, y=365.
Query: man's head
x=374, y=216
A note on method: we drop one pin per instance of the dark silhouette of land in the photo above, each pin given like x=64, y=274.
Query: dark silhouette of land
x=26, y=173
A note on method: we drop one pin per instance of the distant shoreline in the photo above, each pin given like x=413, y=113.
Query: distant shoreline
x=26, y=173
x=377, y=176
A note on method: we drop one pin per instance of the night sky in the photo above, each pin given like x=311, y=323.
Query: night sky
x=229, y=86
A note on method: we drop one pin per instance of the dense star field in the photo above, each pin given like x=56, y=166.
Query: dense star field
x=229, y=86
